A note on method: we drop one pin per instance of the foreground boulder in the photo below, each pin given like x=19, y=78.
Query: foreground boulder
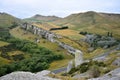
x=20, y=75
x=113, y=75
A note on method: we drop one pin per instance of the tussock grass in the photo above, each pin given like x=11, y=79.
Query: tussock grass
x=2, y=43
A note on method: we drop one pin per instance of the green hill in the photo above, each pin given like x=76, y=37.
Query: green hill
x=7, y=20
x=40, y=18
x=92, y=22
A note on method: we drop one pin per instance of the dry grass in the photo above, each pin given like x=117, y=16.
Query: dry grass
x=15, y=53
x=21, y=34
x=18, y=33
x=94, y=53
x=53, y=25
x=4, y=61
x=46, y=26
x=69, y=33
x=41, y=26
x=58, y=64
x=58, y=76
x=2, y=43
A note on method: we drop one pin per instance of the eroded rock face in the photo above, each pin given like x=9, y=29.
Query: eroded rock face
x=113, y=75
x=78, y=58
x=117, y=62
x=70, y=66
x=76, y=62
x=49, y=36
x=27, y=76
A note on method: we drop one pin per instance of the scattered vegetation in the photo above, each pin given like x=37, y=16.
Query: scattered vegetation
x=39, y=57
x=8, y=21
x=64, y=27
x=93, y=67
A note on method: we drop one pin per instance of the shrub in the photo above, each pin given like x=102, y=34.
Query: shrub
x=95, y=71
x=84, y=67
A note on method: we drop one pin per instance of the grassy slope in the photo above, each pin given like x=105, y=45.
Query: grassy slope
x=3, y=60
x=2, y=43
x=7, y=20
x=70, y=37
x=73, y=34
x=40, y=18
x=93, y=22
x=18, y=33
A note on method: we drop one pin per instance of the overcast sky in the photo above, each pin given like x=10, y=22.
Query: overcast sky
x=61, y=8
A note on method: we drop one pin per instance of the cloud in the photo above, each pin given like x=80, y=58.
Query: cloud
x=27, y=8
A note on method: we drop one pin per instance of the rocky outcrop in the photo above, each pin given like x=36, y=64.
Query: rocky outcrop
x=27, y=76
x=117, y=62
x=76, y=62
x=78, y=58
x=100, y=41
x=70, y=66
x=52, y=37
x=113, y=75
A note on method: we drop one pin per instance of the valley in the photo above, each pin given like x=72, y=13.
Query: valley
x=53, y=43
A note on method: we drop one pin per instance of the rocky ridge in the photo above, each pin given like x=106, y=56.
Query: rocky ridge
x=20, y=75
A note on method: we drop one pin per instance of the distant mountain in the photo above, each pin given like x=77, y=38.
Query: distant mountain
x=7, y=20
x=92, y=22
x=41, y=18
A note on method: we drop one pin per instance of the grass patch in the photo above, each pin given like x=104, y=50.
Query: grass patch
x=15, y=53
x=22, y=34
x=4, y=61
x=94, y=53
x=69, y=33
x=58, y=64
x=18, y=33
x=2, y=43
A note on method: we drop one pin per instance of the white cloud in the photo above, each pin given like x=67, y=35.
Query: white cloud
x=25, y=8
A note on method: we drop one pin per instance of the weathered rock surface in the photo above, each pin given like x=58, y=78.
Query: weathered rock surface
x=117, y=62
x=20, y=75
x=70, y=66
x=78, y=58
x=50, y=36
x=113, y=75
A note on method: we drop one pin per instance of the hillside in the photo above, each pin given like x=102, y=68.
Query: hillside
x=7, y=20
x=58, y=50
x=40, y=18
x=92, y=22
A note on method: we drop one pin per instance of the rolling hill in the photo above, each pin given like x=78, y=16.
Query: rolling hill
x=7, y=20
x=40, y=18
x=92, y=22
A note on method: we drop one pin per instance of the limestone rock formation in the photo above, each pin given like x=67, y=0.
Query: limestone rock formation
x=117, y=62
x=78, y=58
x=27, y=76
x=76, y=62
x=70, y=66
x=48, y=35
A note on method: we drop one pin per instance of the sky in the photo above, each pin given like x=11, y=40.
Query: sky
x=61, y=8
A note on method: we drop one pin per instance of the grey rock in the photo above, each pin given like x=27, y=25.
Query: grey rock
x=70, y=66
x=50, y=36
x=112, y=75
x=78, y=58
x=27, y=76
x=117, y=62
